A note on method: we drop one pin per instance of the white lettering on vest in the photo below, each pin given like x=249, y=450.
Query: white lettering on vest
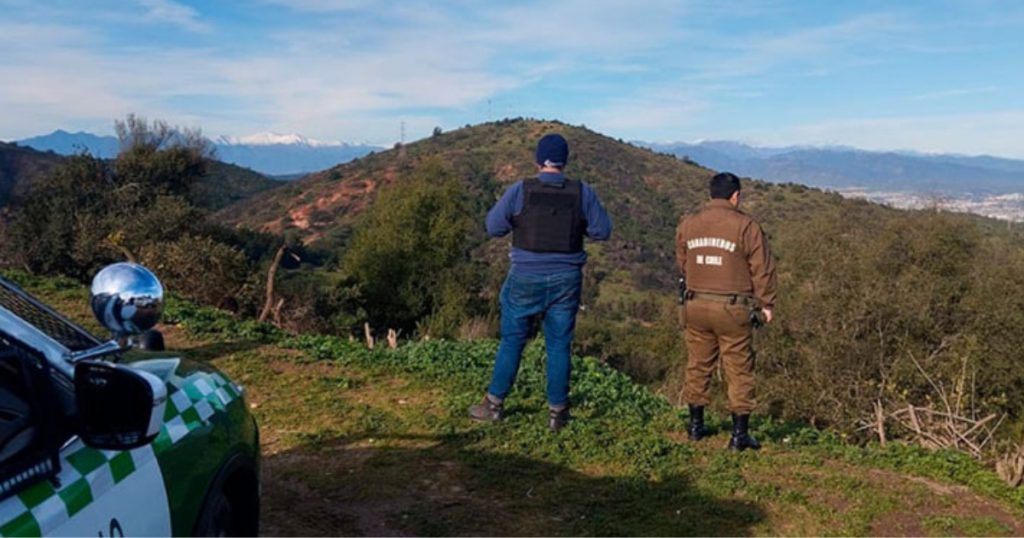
x=711, y=242
x=709, y=260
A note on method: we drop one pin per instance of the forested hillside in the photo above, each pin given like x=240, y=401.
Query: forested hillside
x=19, y=165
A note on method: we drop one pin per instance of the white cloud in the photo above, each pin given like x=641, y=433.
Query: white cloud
x=352, y=69
x=662, y=110
x=953, y=92
x=818, y=49
x=321, y=6
x=171, y=12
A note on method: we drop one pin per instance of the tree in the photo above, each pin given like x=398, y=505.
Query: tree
x=158, y=159
x=409, y=254
x=199, y=268
x=53, y=228
x=89, y=212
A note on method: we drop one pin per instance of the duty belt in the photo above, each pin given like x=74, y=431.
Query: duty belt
x=730, y=298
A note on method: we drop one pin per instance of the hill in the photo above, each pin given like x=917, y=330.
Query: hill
x=222, y=185
x=843, y=167
x=267, y=153
x=360, y=442
x=645, y=192
x=18, y=165
x=226, y=184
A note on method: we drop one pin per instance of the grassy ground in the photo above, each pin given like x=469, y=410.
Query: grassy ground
x=371, y=443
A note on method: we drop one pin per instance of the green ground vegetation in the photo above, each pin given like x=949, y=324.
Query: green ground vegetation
x=376, y=442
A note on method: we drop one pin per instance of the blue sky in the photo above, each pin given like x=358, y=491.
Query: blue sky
x=930, y=76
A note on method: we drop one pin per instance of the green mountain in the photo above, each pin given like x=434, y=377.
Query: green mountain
x=226, y=184
x=645, y=192
x=19, y=165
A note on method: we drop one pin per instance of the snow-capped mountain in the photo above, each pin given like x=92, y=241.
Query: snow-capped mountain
x=268, y=153
x=276, y=139
x=286, y=154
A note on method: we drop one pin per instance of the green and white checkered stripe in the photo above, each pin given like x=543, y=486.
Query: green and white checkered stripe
x=189, y=407
x=87, y=473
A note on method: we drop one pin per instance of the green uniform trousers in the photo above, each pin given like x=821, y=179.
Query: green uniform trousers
x=719, y=331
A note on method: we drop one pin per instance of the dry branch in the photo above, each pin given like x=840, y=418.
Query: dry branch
x=937, y=429
x=271, y=273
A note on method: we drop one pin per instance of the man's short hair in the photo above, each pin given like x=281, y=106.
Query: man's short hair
x=723, y=185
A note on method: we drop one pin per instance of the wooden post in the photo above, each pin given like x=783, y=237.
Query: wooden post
x=368, y=333
x=880, y=418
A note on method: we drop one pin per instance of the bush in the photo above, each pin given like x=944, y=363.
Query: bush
x=198, y=268
x=409, y=255
x=863, y=310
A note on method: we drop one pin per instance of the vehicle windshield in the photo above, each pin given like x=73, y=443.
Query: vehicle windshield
x=44, y=318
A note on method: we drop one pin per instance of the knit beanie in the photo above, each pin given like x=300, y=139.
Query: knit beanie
x=552, y=150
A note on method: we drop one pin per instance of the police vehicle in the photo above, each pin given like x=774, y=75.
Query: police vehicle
x=97, y=440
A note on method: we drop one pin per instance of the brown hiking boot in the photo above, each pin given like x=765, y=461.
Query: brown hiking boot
x=487, y=410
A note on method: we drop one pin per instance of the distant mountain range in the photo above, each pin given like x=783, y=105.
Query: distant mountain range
x=268, y=153
x=289, y=156
x=840, y=167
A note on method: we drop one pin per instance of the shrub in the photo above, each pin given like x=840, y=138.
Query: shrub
x=409, y=255
x=198, y=268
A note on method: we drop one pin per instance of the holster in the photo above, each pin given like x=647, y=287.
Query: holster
x=683, y=296
x=757, y=317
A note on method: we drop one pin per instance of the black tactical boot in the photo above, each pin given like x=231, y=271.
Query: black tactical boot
x=558, y=418
x=741, y=439
x=697, y=431
x=487, y=410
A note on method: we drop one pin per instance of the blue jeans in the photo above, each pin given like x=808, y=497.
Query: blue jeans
x=524, y=296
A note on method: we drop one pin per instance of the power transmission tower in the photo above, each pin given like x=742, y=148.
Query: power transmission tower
x=401, y=141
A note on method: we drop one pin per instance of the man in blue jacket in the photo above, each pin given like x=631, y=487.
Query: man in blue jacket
x=548, y=215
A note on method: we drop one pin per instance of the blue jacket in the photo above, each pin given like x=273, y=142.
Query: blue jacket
x=499, y=224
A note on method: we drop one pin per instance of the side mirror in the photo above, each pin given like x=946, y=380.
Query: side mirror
x=127, y=299
x=119, y=407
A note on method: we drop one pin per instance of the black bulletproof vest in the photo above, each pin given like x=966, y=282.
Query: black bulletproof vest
x=552, y=217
